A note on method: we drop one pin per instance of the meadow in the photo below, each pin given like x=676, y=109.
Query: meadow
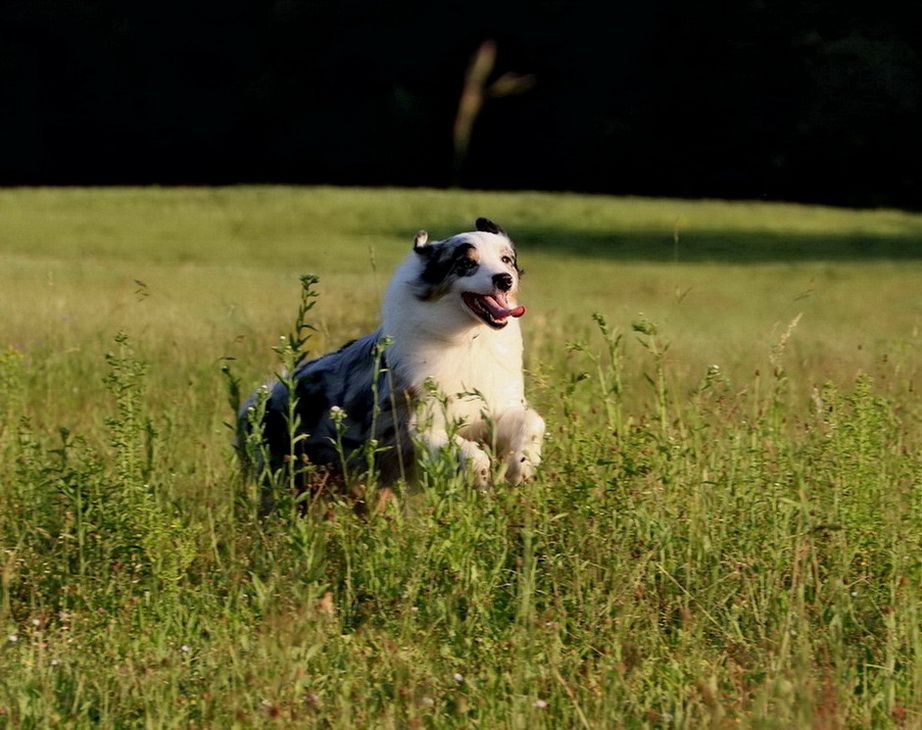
x=726, y=530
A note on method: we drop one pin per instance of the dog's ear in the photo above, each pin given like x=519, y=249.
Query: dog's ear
x=488, y=226
x=420, y=243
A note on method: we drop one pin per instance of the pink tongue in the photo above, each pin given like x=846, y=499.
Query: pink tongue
x=499, y=311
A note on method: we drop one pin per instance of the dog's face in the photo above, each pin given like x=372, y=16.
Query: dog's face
x=476, y=272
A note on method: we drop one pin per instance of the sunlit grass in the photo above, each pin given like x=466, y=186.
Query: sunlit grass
x=737, y=545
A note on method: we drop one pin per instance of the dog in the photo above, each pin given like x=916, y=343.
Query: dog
x=443, y=372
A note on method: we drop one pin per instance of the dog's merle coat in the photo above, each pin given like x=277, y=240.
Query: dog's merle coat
x=343, y=378
x=455, y=357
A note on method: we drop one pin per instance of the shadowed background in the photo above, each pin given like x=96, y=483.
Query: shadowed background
x=813, y=102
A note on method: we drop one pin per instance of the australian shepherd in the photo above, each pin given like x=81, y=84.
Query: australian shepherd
x=443, y=373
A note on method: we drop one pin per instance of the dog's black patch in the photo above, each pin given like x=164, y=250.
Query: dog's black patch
x=488, y=226
x=443, y=261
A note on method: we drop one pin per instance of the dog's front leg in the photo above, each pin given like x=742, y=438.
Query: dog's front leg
x=519, y=435
x=473, y=459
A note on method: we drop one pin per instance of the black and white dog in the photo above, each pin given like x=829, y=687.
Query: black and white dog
x=450, y=376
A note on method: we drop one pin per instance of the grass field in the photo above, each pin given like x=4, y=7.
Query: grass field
x=727, y=529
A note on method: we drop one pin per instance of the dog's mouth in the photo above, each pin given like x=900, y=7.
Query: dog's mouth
x=492, y=308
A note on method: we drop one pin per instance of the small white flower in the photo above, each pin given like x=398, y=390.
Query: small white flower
x=36, y=622
x=13, y=638
x=540, y=704
x=55, y=662
x=428, y=701
x=185, y=648
x=458, y=677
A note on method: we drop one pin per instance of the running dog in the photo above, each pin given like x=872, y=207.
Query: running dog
x=444, y=371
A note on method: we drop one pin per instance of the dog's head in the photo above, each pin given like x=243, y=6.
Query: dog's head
x=477, y=272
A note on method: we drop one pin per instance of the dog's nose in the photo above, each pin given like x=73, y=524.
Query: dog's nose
x=503, y=282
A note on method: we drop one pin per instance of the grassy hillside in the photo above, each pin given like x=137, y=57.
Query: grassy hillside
x=727, y=528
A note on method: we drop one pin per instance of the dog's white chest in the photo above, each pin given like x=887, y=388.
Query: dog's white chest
x=484, y=372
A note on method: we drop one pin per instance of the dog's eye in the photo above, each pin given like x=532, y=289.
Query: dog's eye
x=508, y=260
x=465, y=266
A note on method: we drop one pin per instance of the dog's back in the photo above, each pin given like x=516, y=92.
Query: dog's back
x=346, y=379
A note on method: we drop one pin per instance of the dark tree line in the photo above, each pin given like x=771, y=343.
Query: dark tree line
x=815, y=101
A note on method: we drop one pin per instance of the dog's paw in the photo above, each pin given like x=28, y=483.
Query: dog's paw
x=520, y=435
x=479, y=467
x=521, y=467
x=476, y=462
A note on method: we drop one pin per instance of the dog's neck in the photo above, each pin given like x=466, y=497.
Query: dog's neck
x=466, y=357
x=413, y=338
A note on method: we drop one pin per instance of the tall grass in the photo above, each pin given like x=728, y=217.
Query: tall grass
x=718, y=547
